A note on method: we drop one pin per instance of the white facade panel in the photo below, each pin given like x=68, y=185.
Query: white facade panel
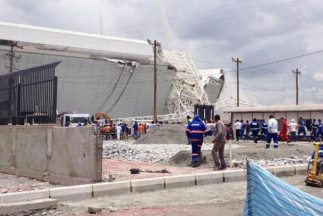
x=75, y=42
x=89, y=85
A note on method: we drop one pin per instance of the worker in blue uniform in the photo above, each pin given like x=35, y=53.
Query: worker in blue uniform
x=319, y=133
x=301, y=127
x=196, y=130
x=254, y=126
x=314, y=126
x=264, y=130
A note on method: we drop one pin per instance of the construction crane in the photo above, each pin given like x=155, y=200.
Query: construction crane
x=163, y=15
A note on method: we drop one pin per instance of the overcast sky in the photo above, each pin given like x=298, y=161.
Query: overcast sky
x=212, y=31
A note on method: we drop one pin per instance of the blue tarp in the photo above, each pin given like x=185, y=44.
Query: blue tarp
x=268, y=195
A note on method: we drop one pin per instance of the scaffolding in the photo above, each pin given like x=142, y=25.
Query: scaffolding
x=186, y=90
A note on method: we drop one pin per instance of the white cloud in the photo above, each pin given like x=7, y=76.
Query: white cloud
x=318, y=76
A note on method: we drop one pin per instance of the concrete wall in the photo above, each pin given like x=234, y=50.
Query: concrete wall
x=45, y=152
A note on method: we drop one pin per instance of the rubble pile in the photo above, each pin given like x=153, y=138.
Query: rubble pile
x=167, y=134
x=180, y=154
x=274, y=162
x=128, y=151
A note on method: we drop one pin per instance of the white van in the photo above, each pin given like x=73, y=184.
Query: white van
x=74, y=120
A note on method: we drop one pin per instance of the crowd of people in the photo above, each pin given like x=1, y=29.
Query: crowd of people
x=113, y=131
x=121, y=130
x=293, y=131
x=274, y=131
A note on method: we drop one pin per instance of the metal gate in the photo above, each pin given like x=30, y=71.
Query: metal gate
x=206, y=112
x=29, y=95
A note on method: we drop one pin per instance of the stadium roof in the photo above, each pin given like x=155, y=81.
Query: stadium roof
x=74, y=42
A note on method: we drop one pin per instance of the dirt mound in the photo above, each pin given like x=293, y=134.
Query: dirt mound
x=286, y=154
x=167, y=134
x=180, y=157
x=259, y=152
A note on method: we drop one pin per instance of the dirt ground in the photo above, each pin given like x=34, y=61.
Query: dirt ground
x=218, y=199
x=11, y=183
x=179, y=164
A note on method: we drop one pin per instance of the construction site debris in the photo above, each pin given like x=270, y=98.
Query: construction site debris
x=137, y=171
x=167, y=134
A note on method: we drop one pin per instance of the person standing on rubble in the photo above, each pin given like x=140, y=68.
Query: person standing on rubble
x=218, y=144
x=301, y=127
x=254, y=130
x=135, y=130
x=195, y=131
x=283, y=134
x=272, y=132
x=264, y=130
x=319, y=133
x=314, y=129
x=237, y=126
x=293, y=129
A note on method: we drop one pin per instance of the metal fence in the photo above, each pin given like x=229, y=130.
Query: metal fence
x=29, y=95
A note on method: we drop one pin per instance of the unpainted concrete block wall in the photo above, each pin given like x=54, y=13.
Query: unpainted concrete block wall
x=59, y=155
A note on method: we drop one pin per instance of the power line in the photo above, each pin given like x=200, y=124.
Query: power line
x=279, y=61
x=203, y=24
x=261, y=88
x=178, y=21
x=283, y=60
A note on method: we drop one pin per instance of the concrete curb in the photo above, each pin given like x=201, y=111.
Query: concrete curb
x=15, y=207
x=150, y=184
x=144, y=185
x=111, y=188
x=179, y=181
x=24, y=196
x=77, y=192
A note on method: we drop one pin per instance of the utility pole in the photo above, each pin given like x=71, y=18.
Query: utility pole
x=238, y=61
x=12, y=59
x=11, y=55
x=155, y=46
x=297, y=73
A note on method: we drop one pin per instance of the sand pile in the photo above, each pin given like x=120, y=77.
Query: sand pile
x=167, y=134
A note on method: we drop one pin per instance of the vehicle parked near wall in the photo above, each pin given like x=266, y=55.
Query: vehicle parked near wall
x=75, y=119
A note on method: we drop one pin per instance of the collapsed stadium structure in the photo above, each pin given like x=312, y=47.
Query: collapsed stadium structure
x=109, y=74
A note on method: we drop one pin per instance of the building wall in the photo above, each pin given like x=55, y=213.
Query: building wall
x=59, y=155
x=90, y=85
